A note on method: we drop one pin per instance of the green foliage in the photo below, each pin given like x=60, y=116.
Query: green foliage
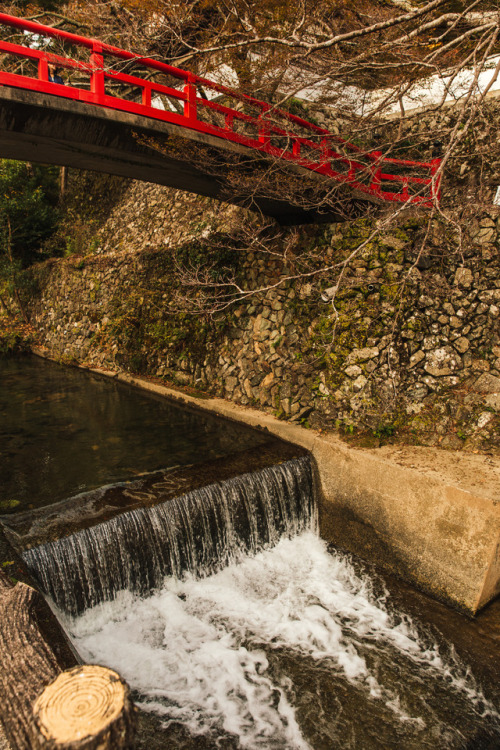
x=384, y=431
x=10, y=275
x=28, y=214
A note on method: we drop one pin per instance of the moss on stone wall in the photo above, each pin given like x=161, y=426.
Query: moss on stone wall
x=396, y=353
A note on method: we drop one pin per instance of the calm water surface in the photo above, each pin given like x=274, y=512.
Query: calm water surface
x=64, y=431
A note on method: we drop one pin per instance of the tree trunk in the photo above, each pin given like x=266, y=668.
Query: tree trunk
x=17, y=296
x=5, y=308
x=63, y=182
x=33, y=653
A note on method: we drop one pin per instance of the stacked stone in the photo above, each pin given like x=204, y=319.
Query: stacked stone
x=420, y=334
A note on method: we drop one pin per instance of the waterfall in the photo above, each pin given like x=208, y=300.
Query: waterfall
x=200, y=532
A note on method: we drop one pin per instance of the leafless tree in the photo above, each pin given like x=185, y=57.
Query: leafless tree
x=371, y=71
x=363, y=70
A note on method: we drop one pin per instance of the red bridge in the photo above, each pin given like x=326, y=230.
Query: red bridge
x=40, y=121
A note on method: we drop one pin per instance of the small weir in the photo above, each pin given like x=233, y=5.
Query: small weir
x=209, y=589
x=231, y=619
x=199, y=532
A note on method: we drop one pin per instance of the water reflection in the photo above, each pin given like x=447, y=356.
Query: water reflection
x=64, y=431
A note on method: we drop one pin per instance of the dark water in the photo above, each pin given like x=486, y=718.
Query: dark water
x=293, y=646
x=64, y=431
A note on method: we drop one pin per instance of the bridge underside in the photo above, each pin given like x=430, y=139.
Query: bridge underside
x=52, y=130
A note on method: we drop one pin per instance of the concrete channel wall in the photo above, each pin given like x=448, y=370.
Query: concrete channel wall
x=429, y=516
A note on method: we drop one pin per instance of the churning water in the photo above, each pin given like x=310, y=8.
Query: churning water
x=231, y=619
x=287, y=648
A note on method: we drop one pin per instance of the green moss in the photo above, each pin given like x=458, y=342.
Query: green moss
x=8, y=505
x=143, y=320
x=385, y=430
x=413, y=324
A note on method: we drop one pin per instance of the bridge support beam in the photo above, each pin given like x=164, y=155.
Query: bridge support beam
x=52, y=130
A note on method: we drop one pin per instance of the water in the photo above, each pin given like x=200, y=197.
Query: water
x=77, y=431
x=287, y=648
x=234, y=623
x=237, y=627
x=199, y=532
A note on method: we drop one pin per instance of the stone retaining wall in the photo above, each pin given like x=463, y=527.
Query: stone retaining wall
x=410, y=346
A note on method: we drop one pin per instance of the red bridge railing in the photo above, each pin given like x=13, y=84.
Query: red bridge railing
x=221, y=112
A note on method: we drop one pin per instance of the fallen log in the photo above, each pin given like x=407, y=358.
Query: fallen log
x=34, y=653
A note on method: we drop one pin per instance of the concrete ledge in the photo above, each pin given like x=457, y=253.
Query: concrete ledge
x=427, y=515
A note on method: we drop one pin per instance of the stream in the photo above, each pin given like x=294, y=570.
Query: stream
x=234, y=623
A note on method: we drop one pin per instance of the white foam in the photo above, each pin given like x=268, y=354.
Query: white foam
x=194, y=650
x=190, y=669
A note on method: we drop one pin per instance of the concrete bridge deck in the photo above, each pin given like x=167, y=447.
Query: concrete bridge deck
x=51, y=130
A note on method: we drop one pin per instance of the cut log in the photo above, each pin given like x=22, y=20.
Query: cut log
x=27, y=662
x=33, y=653
x=85, y=708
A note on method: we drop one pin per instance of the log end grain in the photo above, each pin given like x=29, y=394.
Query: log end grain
x=85, y=707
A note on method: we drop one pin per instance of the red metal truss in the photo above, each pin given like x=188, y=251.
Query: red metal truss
x=223, y=113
